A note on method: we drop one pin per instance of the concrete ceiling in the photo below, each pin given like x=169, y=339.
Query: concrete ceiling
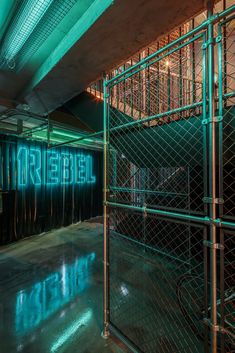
x=106, y=34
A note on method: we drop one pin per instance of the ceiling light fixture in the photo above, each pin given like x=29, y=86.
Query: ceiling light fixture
x=24, y=23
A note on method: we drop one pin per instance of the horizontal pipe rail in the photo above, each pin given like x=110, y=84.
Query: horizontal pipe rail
x=28, y=132
x=185, y=217
x=146, y=191
x=141, y=121
x=116, y=332
x=225, y=224
x=79, y=139
x=213, y=19
x=156, y=116
x=132, y=123
x=168, y=214
x=148, y=64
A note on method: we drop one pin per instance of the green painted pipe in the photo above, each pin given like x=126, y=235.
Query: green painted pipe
x=186, y=217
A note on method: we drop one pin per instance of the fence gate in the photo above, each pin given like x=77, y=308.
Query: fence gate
x=169, y=203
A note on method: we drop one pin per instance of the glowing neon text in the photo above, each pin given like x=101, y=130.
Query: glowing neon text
x=53, y=168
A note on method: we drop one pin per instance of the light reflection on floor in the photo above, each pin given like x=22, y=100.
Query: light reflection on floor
x=51, y=293
x=47, y=296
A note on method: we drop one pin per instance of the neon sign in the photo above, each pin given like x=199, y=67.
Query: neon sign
x=51, y=167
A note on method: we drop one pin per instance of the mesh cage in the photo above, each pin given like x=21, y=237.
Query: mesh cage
x=169, y=194
x=155, y=272
x=226, y=99
x=228, y=297
x=159, y=155
x=227, y=47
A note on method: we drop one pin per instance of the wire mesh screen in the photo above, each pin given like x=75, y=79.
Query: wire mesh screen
x=158, y=160
x=226, y=49
x=169, y=194
x=150, y=283
x=228, y=85
x=229, y=285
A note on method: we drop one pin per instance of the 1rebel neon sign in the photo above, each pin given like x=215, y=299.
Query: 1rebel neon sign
x=52, y=167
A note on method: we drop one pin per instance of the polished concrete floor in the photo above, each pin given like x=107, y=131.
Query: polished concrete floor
x=51, y=293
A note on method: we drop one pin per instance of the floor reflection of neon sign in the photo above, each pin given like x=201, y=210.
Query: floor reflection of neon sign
x=53, y=168
x=70, y=331
x=44, y=298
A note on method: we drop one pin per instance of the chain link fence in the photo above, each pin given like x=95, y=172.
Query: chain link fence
x=169, y=195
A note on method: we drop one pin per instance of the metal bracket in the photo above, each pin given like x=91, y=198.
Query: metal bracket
x=106, y=190
x=208, y=42
x=211, y=245
x=144, y=210
x=215, y=328
x=210, y=200
x=217, y=222
x=218, y=39
x=215, y=119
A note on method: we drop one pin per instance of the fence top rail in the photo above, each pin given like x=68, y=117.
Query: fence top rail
x=212, y=19
x=158, y=58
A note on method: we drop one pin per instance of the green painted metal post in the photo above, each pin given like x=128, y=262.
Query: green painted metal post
x=205, y=180
x=212, y=137
x=212, y=182
x=221, y=102
x=106, y=222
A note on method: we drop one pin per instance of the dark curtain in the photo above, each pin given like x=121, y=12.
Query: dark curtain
x=34, y=209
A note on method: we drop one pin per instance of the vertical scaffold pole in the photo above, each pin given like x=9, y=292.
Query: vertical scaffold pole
x=221, y=40
x=212, y=181
x=106, y=240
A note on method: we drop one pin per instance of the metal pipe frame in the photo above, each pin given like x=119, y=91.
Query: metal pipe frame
x=145, y=65
x=158, y=212
x=212, y=220
x=95, y=134
x=140, y=122
x=212, y=19
x=116, y=332
x=212, y=181
x=29, y=132
x=147, y=191
x=105, y=226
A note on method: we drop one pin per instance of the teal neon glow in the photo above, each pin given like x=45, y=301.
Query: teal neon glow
x=80, y=169
x=23, y=26
x=90, y=178
x=44, y=137
x=52, y=168
x=67, y=168
x=22, y=161
x=37, y=303
x=35, y=167
x=83, y=320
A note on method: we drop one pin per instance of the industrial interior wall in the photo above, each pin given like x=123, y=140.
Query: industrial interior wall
x=45, y=188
